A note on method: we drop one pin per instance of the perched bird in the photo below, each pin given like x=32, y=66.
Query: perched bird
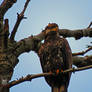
x=55, y=56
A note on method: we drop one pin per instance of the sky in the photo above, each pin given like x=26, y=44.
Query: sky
x=68, y=14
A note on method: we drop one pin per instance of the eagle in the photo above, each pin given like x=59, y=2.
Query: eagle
x=55, y=56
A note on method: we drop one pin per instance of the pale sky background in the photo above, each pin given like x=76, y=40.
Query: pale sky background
x=69, y=14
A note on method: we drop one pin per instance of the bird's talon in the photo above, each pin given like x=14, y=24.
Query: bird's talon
x=61, y=70
x=57, y=71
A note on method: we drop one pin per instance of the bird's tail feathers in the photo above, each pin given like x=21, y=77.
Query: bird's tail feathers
x=62, y=88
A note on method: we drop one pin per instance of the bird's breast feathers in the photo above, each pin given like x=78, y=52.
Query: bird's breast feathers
x=51, y=55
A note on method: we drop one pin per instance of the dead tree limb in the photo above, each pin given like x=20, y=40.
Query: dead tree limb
x=19, y=19
x=6, y=4
x=83, y=52
x=90, y=25
x=23, y=79
x=33, y=76
x=77, y=34
x=82, y=61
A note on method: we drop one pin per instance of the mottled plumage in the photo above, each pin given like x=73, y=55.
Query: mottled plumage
x=55, y=54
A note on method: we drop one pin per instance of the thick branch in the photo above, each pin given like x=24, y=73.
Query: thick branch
x=82, y=61
x=19, y=19
x=30, y=77
x=77, y=34
x=6, y=4
x=28, y=44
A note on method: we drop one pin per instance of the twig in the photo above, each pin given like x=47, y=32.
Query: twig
x=83, y=52
x=90, y=25
x=77, y=69
x=19, y=19
x=30, y=77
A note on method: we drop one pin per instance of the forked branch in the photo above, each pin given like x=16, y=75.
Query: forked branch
x=19, y=19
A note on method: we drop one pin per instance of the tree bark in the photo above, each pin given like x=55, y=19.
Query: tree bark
x=77, y=34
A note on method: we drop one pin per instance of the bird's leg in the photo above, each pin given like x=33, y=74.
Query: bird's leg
x=59, y=71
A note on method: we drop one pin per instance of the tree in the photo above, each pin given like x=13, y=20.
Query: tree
x=10, y=49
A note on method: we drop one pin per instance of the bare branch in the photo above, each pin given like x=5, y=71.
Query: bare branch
x=78, y=69
x=25, y=7
x=82, y=61
x=90, y=25
x=83, y=52
x=77, y=34
x=28, y=44
x=27, y=78
x=33, y=76
x=19, y=19
x=6, y=4
x=4, y=36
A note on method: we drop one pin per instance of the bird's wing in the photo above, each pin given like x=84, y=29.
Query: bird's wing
x=67, y=58
x=67, y=54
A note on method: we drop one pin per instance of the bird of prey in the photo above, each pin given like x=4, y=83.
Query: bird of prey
x=55, y=56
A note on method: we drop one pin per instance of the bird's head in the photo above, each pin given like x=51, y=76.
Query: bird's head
x=51, y=28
